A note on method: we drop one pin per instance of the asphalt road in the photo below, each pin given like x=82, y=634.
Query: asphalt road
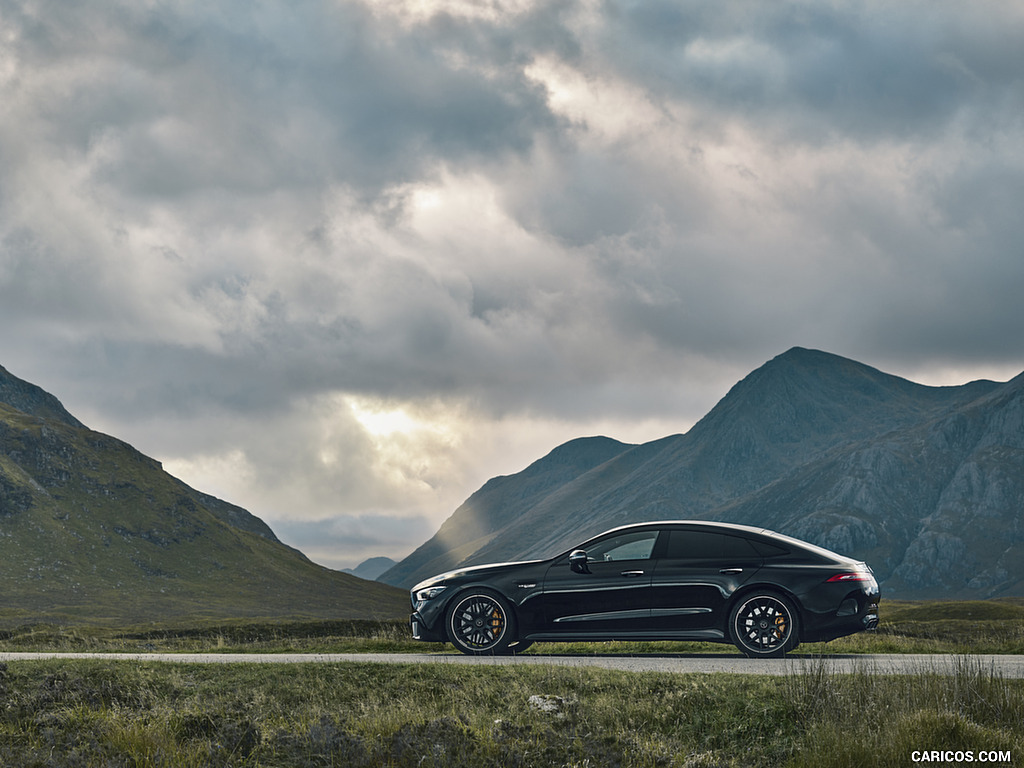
x=886, y=664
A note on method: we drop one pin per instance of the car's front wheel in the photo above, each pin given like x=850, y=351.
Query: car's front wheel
x=764, y=625
x=481, y=623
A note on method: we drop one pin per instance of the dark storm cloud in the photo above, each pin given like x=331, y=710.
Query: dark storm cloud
x=233, y=114
x=176, y=99
x=860, y=71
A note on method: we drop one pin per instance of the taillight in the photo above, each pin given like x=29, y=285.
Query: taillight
x=851, y=576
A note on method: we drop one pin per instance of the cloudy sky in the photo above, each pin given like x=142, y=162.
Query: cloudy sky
x=341, y=261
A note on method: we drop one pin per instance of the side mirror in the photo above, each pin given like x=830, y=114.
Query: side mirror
x=578, y=561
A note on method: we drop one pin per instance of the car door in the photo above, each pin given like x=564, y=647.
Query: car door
x=610, y=597
x=696, y=576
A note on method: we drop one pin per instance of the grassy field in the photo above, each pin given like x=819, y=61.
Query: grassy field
x=92, y=714
x=87, y=714
x=907, y=627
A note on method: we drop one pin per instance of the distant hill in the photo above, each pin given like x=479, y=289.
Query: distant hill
x=91, y=530
x=925, y=483
x=372, y=568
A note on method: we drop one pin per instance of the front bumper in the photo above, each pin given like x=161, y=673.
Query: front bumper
x=420, y=630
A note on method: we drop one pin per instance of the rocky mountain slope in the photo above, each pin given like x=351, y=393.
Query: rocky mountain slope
x=92, y=530
x=925, y=483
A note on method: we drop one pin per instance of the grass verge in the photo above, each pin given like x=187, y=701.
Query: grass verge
x=957, y=627
x=86, y=713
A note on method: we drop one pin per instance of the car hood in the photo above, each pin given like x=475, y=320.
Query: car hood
x=476, y=570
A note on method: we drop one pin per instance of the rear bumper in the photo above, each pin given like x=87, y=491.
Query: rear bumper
x=857, y=613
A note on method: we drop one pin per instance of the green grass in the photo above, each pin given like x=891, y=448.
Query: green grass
x=349, y=636
x=87, y=713
x=907, y=627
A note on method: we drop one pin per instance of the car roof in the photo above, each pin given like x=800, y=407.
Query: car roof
x=734, y=527
x=693, y=523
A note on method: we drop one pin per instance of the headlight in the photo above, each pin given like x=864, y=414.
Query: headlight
x=429, y=593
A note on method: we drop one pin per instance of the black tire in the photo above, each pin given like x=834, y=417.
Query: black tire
x=764, y=625
x=481, y=623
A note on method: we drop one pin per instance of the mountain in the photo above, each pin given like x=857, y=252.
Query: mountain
x=372, y=568
x=925, y=483
x=92, y=530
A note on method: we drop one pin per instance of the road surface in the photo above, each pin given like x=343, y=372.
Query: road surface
x=888, y=664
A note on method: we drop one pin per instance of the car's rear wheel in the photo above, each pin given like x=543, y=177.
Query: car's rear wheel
x=764, y=625
x=481, y=623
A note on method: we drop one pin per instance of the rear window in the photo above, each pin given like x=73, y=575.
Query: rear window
x=769, y=550
x=706, y=545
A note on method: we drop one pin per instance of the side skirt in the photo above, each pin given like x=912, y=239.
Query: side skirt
x=707, y=635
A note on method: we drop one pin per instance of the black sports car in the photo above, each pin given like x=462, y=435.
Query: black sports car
x=676, y=580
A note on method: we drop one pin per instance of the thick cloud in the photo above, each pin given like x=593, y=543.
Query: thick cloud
x=820, y=71
x=342, y=261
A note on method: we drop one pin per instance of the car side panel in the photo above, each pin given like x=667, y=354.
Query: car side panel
x=612, y=597
x=696, y=594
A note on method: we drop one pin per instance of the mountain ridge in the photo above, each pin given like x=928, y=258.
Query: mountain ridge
x=32, y=400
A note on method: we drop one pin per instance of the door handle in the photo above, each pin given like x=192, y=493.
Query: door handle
x=632, y=573
x=731, y=570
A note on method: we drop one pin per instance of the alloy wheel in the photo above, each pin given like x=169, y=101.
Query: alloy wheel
x=764, y=625
x=479, y=624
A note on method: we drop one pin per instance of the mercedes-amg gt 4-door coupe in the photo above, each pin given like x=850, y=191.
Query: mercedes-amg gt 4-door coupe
x=676, y=580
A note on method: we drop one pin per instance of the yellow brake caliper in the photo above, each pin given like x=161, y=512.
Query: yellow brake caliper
x=496, y=622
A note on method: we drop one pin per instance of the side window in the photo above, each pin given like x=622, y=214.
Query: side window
x=706, y=545
x=628, y=546
x=769, y=550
